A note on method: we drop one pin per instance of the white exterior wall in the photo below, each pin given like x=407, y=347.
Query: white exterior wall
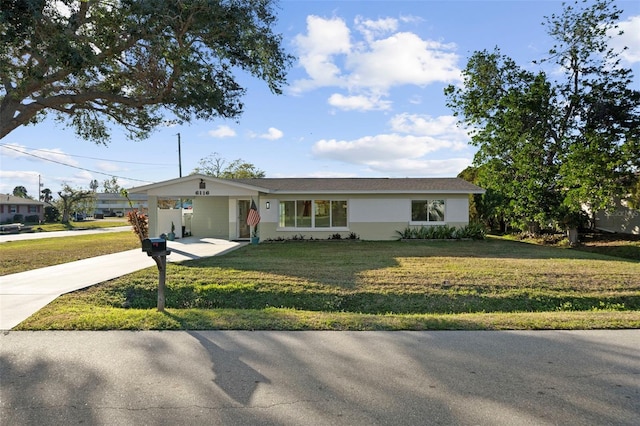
x=165, y=217
x=210, y=217
x=370, y=217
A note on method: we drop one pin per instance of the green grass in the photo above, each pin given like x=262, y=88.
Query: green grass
x=491, y=284
x=87, y=224
x=19, y=256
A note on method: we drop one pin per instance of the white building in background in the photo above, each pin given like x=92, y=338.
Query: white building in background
x=109, y=204
x=622, y=219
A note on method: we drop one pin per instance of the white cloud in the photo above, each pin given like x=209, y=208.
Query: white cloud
x=407, y=150
x=443, y=127
x=325, y=38
x=383, y=58
x=17, y=151
x=359, y=102
x=222, y=131
x=107, y=166
x=403, y=58
x=9, y=179
x=382, y=147
x=371, y=29
x=630, y=38
x=443, y=167
x=272, y=134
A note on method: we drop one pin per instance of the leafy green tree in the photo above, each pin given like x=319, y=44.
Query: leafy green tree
x=548, y=147
x=20, y=191
x=216, y=166
x=92, y=62
x=70, y=198
x=111, y=186
x=51, y=214
x=46, y=195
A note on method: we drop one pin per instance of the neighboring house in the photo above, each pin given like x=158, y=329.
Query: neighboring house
x=372, y=208
x=622, y=219
x=12, y=208
x=109, y=204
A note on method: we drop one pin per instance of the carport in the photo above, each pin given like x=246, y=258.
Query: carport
x=219, y=207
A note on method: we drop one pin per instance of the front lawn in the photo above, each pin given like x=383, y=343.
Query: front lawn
x=25, y=255
x=491, y=284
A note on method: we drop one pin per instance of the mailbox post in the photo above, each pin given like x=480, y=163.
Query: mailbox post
x=156, y=248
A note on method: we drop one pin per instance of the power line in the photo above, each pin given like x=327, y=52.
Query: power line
x=81, y=156
x=74, y=167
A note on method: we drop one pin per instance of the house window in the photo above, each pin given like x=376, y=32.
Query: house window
x=13, y=208
x=303, y=214
x=427, y=210
x=33, y=209
x=313, y=214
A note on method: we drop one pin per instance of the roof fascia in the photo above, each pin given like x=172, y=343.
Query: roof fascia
x=145, y=188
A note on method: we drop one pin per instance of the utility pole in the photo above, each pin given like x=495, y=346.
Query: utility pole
x=179, y=157
x=179, y=170
x=40, y=185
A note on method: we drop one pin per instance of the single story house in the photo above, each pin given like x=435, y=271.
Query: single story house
x=17, y=209
x=371, y=208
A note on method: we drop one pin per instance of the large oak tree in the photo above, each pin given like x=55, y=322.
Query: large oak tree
x=552, y=146
x=136, y=63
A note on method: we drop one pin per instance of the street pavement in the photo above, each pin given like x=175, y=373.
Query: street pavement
x=24, y=293
x=320, y=378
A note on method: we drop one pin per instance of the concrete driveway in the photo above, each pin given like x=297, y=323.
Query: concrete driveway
x=320, y=378
x=24, y=293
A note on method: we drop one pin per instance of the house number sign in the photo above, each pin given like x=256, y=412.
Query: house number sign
x=200, y=192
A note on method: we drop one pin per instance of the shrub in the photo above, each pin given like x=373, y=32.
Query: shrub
x=474, y=231
x=51, y=214
x=442, y=232
x=140, y=224
x=18, y=218
x=32, y=218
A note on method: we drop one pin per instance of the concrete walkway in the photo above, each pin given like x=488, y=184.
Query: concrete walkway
x=24, y=293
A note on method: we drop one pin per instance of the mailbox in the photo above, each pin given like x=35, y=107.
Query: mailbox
x=153, y=246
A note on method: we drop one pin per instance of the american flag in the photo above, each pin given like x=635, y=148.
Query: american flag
x=253, y=218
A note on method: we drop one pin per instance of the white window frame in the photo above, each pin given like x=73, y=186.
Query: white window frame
x=428, y=222
x=313, y=215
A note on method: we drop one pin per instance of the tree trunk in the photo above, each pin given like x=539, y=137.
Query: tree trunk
x=572, y=235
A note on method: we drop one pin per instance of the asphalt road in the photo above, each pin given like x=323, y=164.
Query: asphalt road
x=320, y=378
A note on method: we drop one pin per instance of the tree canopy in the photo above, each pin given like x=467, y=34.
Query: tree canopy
x=551, y=146
x=216, y=166
x=70, y=199
x=133, y=62
x=20, y=191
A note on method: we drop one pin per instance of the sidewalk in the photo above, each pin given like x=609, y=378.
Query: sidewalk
x=24, y=293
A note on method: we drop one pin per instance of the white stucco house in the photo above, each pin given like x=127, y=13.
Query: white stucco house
x=372, y=208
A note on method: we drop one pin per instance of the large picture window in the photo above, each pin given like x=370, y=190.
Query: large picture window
x=427, y=210
x=313, y=214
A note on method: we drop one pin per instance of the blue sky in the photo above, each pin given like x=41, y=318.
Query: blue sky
x=365, y=99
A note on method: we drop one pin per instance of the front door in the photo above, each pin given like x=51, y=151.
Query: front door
x=244, y=230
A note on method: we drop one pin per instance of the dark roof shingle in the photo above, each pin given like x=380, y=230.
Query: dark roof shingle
x=455, y=185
